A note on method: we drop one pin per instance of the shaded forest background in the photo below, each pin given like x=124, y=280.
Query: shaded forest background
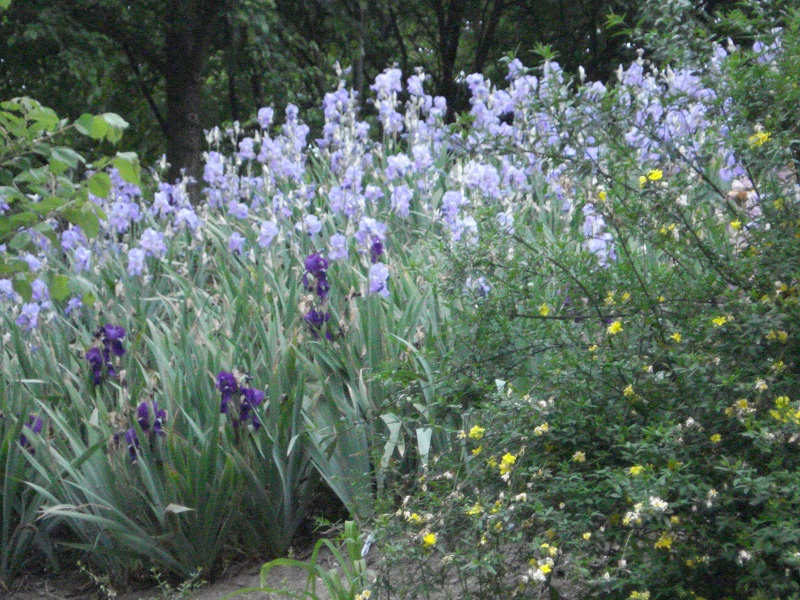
x=175, y=68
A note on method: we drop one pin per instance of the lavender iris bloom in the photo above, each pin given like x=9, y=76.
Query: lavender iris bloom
x=112, y=344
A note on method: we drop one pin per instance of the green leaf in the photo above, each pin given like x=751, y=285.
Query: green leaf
x=99, y=184
x=23, y=287
x=48, y=205
x=85, y=218
x=84, y=124
x=127, y=164
x=20, y=241
x=116, y=125
x=59, y=288
x=98, y=128
x=67, y=156
x=4, y=4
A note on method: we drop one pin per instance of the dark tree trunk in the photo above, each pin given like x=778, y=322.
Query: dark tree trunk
x=449, y=16
x=187, y=47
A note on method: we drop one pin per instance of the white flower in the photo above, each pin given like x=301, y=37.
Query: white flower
x=658, y=504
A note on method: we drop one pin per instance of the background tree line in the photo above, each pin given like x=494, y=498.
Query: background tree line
x=174, y=68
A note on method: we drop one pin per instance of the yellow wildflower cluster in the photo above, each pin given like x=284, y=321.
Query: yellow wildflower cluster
x=365, y=595
x=741, y=407
x=721, y=320
x=579, y=457
x=544, y=310
x=614, y=328
x=645, y=595
x=506, y=463
x=716, y=438
x=636, y=470
x=665, y=541
x=759, y=139
x=778, y=336
x=676, y=337
x=783, y=411
x=428, y=540
x=541, y=429
x=628, y=391
x=474, y=510
x=476, y=433
x=652, y=175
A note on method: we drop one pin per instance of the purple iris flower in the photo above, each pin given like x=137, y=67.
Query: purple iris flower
x=226, y=383
x=133, y=443
x=112, y=334
x=35, y=424
x=376, y=249
x=95, y=359
x=143, y=413
x=316, y=319
x=250, y=399
x=317, y=266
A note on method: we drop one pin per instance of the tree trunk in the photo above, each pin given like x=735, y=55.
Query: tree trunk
x=187, y=48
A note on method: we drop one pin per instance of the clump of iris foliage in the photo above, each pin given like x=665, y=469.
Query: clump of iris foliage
x=548, y=350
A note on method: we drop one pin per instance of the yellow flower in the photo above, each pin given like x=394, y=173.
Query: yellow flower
x=716, y=438
x=429, y=540
x=614, y=328
x=541, y=429
x=476, y=451
x=476, y=432
x=665, y=541
x=628, y=391
x=780, y=336
x=365, y=595
x=602, y=195
x=759, y=139
x=761, y=385
x=593, y=348
x=636, y=470
x=640, y=595
x=720, y=321
x=544, y=310
x=545, y=568
x=587, y=536
x=579, y=457
x=475, y=510
x=676, y=337
x=655, y=174
x=507, y=462
x=674, y=520
x=626, y=296
x=609, y=299
x=642, y=180
x=414, y=518
x=736, y=225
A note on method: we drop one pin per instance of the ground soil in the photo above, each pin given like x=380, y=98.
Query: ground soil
x=78, y=586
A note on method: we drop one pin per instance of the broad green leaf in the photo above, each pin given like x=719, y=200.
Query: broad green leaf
x=20, y=241
x=98, y=128
x=23, y=287
x=46, y=117
x=67, y=156
x=59, y=289
x=116, y=125
x=84, y=124
x=85, y=218
x=48, y=205
x=99, y=184
x=127, y=163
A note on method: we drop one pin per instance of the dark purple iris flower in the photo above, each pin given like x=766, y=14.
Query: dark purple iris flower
x=112, y=344
x=316, y=319
x=35, y=424
x=95, y=359
x=317, y=266
x=143, y=413
x=226, y=383
x=244, y=399
x=376, y=249
x=133, y=443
